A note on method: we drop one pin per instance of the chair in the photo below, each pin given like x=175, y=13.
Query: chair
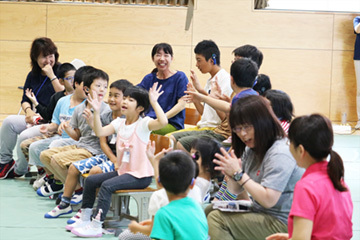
x=161, y=142
x=192, y=116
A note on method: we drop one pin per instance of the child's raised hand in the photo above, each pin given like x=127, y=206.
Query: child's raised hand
x=155, y=93
x=31, y=96
x=94, y=101
x=195, y=81
x=88, y=115
x=215, y=89
x=150, y=150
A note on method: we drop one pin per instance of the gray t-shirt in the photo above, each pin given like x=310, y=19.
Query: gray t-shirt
x=88, y=140
x=278, y=171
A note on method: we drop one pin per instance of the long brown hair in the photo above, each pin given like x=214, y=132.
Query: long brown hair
x=315, y=133
x=255, y=111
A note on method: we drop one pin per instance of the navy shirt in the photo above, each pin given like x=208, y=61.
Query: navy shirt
x=173, y=88
x=357, y=41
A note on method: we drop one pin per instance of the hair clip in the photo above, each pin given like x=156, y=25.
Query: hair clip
x=195, y=156
x=192, y=181
x=214, y=58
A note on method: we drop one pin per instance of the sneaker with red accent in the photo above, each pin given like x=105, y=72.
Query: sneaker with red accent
x=6, y=168
x=13, y=174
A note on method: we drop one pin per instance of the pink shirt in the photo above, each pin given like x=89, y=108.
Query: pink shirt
x=139, y=165
x=316, y=199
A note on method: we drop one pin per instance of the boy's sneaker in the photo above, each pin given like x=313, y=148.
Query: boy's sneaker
x=12, y=174
x=84, y=219
x=76, y=199
x=6, y=168
x=39, y=181
x=75, y=218
x=50, y=189
x=91, y=230
x=56, y=212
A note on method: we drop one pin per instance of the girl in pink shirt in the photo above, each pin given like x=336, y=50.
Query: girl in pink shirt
x=134, y=169
x=322, y=206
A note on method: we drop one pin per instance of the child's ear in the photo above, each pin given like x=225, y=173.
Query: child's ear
x=140, y=108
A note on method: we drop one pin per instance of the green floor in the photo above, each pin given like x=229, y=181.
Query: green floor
x=22, y=214
x=22, y=211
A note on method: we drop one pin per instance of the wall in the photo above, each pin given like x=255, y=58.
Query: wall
x=307, y=54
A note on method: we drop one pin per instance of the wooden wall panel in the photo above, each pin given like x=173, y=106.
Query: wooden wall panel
x=344, y=37
x=130, y=62
x=115, y=24
x=343, y=86
x=22, y=21
x=239, y=25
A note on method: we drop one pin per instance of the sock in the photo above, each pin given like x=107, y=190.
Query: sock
x=79, y=191
x=41, y=171
x=65, y=202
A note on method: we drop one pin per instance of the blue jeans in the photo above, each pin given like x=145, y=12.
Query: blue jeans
x=109, y=183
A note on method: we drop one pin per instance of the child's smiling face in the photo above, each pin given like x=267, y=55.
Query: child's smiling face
x=98, y=87
x=115, y=99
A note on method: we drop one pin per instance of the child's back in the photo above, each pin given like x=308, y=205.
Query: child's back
x=172, y=222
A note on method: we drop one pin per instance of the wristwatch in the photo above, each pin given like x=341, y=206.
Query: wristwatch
x=238, y=175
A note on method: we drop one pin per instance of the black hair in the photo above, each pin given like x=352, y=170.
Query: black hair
x=43, y=46
x=92, y=75
x=251, y=52
x=255, y=111
x=176, y=171
x=121, y=84
x=208, y=49
x=315, y=134
x=82, y=73
x=244, y=72
x=281, y=104
x=140, y=95
x=262, y=84
x=64, y=68
x=206, y=148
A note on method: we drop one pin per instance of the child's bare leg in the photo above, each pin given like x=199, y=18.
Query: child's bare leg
x=95, y=170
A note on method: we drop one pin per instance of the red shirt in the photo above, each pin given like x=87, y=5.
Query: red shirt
x=316, y=199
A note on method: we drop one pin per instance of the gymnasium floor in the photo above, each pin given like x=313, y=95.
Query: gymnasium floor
x=22, y=211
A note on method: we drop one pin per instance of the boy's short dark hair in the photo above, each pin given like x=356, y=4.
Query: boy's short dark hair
x=208, y=49
x=121, y=85
x=82, y=73
x=176, y=171
x=64, y=68
x=262, y=84
x=140, y=95
x=281, y=104
x=251, y=52
x=92, y=75
x=244, y=72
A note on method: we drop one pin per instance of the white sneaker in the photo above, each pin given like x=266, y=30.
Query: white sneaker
x=39, y=182
x=91, y=230
x=357, y=126
x=84, y=219
x=75, y=218
x=76, y=199
x=56, y=212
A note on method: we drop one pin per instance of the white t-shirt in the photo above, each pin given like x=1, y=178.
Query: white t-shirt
x=209, y=118
x=126, y=131
x=159, y=198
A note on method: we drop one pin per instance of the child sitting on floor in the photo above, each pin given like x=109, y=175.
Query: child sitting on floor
x=135, y=171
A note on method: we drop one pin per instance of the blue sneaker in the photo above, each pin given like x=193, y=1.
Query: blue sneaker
x=75, y=218
x=76, y=199
x=56, y=212
x=50, y=189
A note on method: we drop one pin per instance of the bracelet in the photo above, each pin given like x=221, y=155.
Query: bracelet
x=26, y=109
x=242, y=185
x=53, y=78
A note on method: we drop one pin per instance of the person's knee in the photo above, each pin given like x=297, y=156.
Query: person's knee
x=73, y=170
x=44, y=158
x=95, y=170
